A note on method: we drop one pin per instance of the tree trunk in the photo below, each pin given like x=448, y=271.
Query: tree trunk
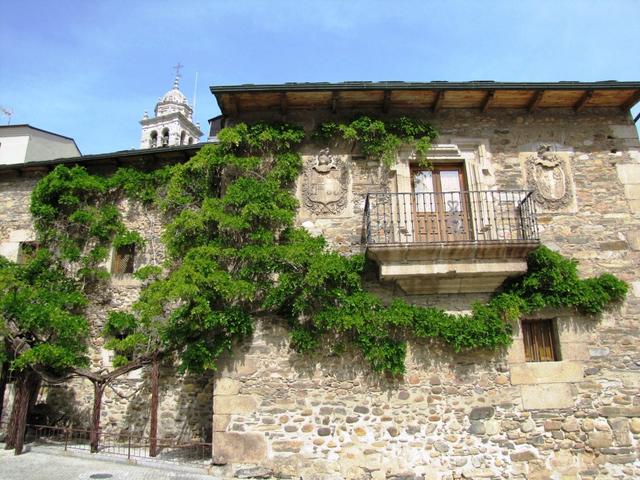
x=98, y=391
x=26, y=391
x=4, y=379
x=10, y=437
x=153, y=429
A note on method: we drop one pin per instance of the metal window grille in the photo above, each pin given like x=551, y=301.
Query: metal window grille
x=123, y=259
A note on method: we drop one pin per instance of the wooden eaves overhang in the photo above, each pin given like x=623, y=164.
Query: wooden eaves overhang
x=430, y=96
x=146, y=159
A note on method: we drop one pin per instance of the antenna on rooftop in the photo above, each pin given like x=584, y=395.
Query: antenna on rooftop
x=195, y=92
x=7, y=112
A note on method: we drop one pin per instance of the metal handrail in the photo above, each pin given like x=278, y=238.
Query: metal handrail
x=492, y=216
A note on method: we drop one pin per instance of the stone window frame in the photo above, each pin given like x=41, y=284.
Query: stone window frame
x=470, y=154
x=575, y=337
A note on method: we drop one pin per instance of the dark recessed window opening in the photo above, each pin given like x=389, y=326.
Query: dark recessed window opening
x=27, y=251
x=123, y=259
x=540, y=341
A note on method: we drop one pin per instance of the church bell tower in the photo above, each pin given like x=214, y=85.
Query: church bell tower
x=172, y=124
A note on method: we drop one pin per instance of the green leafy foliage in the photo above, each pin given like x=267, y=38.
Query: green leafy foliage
x=223, y=249
x=40, y=315
x=138, y=185
x=381, y=139
x=148, y=272
x=552, y=281
x=235, y=254
x=127, y=237
x=76, y=217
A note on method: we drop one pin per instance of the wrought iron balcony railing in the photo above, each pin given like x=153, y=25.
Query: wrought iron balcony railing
x=493, y=216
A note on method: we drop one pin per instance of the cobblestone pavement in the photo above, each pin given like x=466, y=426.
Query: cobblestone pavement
x=55, y=464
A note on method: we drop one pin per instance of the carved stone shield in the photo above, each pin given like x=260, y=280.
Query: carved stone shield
x=324, y=187
x=548, y=177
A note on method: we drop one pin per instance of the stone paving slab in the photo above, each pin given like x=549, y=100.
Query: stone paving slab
x=54, y=464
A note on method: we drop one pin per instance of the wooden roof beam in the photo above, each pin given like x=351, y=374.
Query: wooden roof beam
x=386, y=102
x=488, y=100
x=233, y=105
x=535, y=101
x=437, y=106
x=580, y=104
x=635, y=98
x=284, y=103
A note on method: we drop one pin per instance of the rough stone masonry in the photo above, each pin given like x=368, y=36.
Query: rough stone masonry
x=467, y=415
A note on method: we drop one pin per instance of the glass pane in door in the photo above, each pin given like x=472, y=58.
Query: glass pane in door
x=424, y=189
x=451, y=188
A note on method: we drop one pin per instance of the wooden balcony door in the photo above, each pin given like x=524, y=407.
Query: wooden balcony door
x=440, y=206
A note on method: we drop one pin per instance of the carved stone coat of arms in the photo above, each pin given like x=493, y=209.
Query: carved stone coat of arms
x=548, y=177
x=324, y=188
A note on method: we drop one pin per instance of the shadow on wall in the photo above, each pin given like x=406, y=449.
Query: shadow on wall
x=184, y=405
x=292, y=374
x=136, y=417
x=194, y=407
x=60, y=407
x=269, y=347
x=428, y=361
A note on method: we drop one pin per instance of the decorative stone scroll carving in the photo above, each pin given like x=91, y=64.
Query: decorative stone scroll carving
x=324, y=187
x=548, y=175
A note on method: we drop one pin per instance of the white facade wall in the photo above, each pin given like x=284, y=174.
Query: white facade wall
x=23, y=143
x=13, y=149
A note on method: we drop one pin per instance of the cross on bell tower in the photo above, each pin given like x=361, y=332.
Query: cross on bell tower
x=178, y=76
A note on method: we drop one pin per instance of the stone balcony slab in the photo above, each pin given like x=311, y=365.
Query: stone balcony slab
x=469, y=267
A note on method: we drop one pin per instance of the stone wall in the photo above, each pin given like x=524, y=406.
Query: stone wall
x=185, y=401
x=470, y=415
x=467, y=415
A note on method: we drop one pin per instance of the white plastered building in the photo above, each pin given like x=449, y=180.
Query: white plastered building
x=24, y=144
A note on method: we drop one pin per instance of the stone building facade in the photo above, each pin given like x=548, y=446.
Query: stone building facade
x=185, y=401
x=473, y=414
x=572, y=154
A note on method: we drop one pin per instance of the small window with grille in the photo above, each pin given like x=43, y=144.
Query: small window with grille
x=540, y=341
x=27, y=251
x=123, y=259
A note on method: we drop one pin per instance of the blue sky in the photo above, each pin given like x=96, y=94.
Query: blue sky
x=89, y=69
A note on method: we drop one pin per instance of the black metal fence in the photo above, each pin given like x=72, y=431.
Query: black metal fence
x=467, y=216
x=126, y=444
